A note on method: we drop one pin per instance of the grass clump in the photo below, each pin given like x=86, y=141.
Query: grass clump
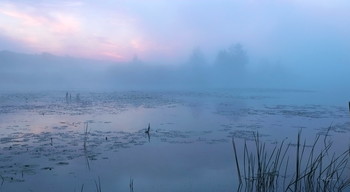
x=309, y=168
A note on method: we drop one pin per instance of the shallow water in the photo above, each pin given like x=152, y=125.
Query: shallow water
x=189, y=147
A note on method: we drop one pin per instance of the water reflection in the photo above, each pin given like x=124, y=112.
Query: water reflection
x=187, y=148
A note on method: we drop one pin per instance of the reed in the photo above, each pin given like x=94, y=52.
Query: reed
x=314, y=168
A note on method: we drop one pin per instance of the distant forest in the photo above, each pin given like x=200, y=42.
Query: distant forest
x=47, y=71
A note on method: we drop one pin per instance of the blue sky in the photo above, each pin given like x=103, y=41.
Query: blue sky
x=291, y=31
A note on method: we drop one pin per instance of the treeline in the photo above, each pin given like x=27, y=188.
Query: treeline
x=46, y=71
x=227, y=70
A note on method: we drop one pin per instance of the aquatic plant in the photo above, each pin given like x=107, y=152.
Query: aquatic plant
x=148, y=128
x=314, y=167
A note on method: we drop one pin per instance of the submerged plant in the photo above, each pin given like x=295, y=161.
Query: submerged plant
x=314, y=168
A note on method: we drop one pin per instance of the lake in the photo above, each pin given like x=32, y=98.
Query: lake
x=84, y=141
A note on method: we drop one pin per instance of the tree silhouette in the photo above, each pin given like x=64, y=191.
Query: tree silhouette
x=233, y=59
x=197, y=58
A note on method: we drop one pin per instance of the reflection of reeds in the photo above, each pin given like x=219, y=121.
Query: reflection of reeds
x=98, y=185
x=2, y=178
x=86, y=134
x=237, y=163
x=87, y=159
x=315, y=169
x=85, y=141
x=99, y=188
x=131, y=185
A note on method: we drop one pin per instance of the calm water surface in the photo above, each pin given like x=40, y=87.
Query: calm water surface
x=189, y=147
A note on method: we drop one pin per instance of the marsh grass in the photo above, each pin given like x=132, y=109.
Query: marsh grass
x=308, y=168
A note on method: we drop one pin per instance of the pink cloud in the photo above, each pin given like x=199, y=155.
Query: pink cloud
x=113, y=35
x=57, y=23
x=113, y=56
x=24, y=18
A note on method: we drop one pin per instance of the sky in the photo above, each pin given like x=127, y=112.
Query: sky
x=288, y=43
x=167, y=30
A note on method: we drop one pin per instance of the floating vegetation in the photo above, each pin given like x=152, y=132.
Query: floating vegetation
x=76, y=136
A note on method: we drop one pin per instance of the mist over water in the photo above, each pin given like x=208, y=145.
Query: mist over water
x=232, y=67
x=149, y=94
x=174, y=45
